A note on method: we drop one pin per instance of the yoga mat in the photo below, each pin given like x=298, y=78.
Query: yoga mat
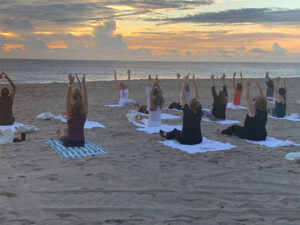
x=89, y=149
x=273, y=142
x=206, y=146
x=230, y=105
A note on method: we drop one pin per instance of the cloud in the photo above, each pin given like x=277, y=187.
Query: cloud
x=237, y=16
x=16, y=24
x=277, y=50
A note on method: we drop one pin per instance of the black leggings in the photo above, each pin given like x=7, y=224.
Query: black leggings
x=235, y=130
x=241, y=133
x=69, y=143
x=175, y=105
x=177, y=135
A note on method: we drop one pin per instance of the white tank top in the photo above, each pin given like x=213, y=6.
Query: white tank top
x=154, y=119
x=124, y=94
x=187, y=97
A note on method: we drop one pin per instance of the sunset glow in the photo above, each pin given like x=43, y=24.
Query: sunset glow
x=227, y=30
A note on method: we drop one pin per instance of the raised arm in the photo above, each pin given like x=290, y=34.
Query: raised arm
x=149, y=80
x=178, y=82
x=212, y=80
x=128, y=82
x=182, y=95
x=13, y=86
x=249, y=103
x=79, y=84
x=284, y=83
x=69, y=96
x=85, y=98
x=241, y=75
x=233, y=83
x=224, y=83
x=261, y=93
x=277, y=96
x=195, y=88
x=116, y=80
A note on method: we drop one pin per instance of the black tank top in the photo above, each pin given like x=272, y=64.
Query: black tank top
x=6, y=117
x=256, y=126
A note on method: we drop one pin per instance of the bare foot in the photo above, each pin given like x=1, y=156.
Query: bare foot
x=58, y=134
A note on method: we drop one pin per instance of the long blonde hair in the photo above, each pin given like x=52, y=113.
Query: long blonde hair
x=77, y=107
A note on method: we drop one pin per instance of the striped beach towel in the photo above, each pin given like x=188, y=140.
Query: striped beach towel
x=89, y=149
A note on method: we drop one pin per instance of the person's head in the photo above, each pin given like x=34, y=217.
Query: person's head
x=186, y=87
x=77, y=94
x=122, y=85
x=223, y=97
x=194, y=104
x=143, y=109
x=282, y=91
x=77, y=107
x=261, y=103
x=5, y=92
x=239, y=86
x=155, y=92
x=158, y=100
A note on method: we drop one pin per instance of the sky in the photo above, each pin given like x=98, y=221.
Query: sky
x=160, y=30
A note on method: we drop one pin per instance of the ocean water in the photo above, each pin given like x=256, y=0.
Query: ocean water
x=48, y=71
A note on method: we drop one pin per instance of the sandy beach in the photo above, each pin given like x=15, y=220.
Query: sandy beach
x=142, y=181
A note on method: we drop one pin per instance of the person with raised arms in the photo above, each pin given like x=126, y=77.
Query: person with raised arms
x=238, y=90
x=123, y=90
x=192, y=114
x=254, y=128
x=6, y=102
x=186, y=87
x=76, y=110
x=220, y=101
x=155, y=102
x=280, y=104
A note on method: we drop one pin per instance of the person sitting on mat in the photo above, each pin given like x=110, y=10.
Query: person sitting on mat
x=255, y=123
x=280, y=104
x=77, y=110
x=6, y=102
x=124, y=92
x=186, y=87
x=155, y=102
x=220, y=102
x=270, y=86
x=238, y=90
x=192, y=114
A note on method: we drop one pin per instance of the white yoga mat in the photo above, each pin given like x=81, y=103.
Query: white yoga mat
x=164, y=116
x=114, y=106
x=230, y=105
x=88, y=124
x=293, y=156
x=155, y=130
x=293, y=117
x=222, y=122
x=273, y=142
x=206, y=146
x=14, y=126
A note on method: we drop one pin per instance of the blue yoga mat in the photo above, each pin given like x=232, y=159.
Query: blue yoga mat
x=89, y=149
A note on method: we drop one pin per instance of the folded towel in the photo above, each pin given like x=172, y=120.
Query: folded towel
x=7, y=136
x=114, y=106
x=206, y=146
x=13, y=126
x=293, y=117
x=89, y=149
x=293, y=156
x=273, y=142
x=230, y=105
x=88, y=124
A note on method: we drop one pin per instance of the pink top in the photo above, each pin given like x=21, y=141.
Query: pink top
x=237, y=98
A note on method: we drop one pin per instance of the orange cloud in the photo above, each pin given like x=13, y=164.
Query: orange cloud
x=12, y=47
x=56, y=44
